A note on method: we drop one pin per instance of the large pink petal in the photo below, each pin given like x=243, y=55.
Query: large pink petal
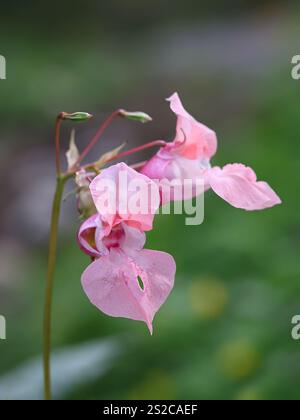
x=111, y=284
x=196, y=138
x=114, y=192
x=236, y=184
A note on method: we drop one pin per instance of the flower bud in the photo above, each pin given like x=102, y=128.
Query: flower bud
x=85, y=203
x=72, y=154
x=136, y=116
x=76, y=116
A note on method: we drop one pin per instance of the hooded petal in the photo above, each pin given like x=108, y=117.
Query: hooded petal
x=237, y=184
x=193, y=139
x=111, y=284
x=89, y=234
x=94, y=243
x=122, y=194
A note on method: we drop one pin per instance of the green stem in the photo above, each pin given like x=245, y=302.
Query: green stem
x=49, y=282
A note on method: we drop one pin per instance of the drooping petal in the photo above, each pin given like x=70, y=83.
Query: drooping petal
x=237, y=184
x=122, y=194
x=111, y=284
x=193, y=139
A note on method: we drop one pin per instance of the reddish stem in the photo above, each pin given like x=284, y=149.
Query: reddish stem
x=159, y=143
x=138, y=165
x=96, y=137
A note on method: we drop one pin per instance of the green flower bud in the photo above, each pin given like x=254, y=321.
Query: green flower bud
x=136, y=116
x=76, y=116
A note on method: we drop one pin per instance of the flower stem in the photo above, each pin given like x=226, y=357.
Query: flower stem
x=155, y=143
x=49, y=283
x=96, y=137
x=58, y=122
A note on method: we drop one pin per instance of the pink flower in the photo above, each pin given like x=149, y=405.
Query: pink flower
x=111, y=282
x=188, y=157
x=117, y=190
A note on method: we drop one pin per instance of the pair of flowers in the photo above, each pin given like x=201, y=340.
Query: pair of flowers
x=126, y=280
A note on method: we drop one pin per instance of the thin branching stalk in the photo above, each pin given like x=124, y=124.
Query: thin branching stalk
x=49, y=283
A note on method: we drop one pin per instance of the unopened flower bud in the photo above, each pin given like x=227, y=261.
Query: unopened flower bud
x=136, y=116
x=76, y=116
x=85, y=203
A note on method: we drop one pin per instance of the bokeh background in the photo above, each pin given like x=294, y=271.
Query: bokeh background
x=225, y=332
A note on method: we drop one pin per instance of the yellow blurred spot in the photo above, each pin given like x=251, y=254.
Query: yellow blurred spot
x=159, y=385
x=238, y=359
x=248, y=394
x=208, y=298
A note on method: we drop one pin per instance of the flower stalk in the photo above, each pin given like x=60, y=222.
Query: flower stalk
x=60, y=183
x=155, y=143
x=96, y=137
x=59, y=120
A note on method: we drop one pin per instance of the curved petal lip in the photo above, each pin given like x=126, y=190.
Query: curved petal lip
x=86, y=230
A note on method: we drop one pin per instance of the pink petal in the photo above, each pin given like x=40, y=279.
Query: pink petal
x=179, y=178
x=111, y=284
x=94, y=243
x=196, y=139
x=236, y=184
x=240, y=169
x=156, y=167
x=86, y=236
x=157, y=270
x=114, y=191
x=133, y=239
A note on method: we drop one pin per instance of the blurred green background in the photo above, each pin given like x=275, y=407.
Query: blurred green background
x=225, y=331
